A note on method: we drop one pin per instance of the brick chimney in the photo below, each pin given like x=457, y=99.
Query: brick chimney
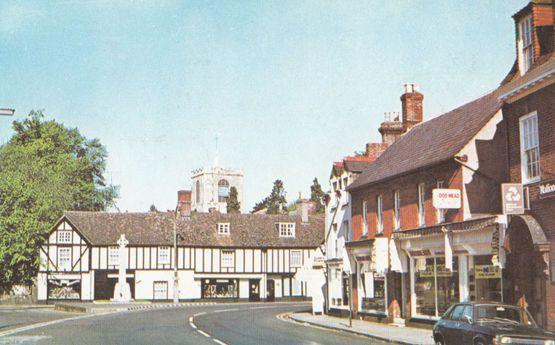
x=411, y=102
x=305, y=208
x=391, y=129
x=184, y=203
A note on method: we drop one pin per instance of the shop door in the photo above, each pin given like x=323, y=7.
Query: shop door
x=271, y=296
x=254, y=290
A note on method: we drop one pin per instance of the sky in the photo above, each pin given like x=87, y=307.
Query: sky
x=288, y=86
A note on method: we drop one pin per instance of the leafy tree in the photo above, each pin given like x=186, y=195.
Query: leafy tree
x=260, y=205
x=233, y=204
x=153, y=208
x=274, y=203
x=45, y=168
x=317, y=195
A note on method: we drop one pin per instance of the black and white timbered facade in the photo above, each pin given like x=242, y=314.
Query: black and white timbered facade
x=227, y=256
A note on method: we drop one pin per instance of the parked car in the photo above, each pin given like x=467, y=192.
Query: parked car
x=489, y=323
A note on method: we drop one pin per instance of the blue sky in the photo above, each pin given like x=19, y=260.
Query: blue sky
x=290, y=86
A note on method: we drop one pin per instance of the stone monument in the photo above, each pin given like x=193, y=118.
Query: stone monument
x=122, y=290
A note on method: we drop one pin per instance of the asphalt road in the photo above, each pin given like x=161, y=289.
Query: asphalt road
x=16, y=317
x=218, y=324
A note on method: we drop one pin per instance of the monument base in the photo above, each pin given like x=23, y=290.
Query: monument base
x=122, y=293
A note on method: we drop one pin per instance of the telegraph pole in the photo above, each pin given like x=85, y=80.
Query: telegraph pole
x=175, y=274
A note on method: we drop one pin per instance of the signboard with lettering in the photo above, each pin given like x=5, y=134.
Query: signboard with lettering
x=487, y=272
x=447, y=198
x=513, y=198
x=547, y=189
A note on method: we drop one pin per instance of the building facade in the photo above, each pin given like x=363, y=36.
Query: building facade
x=211, y=187
x=528, y=93
x=219, y=256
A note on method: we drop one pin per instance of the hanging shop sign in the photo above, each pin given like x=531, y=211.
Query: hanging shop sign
x=446, y=198
x=513, y=198
x=547, y=189
x=487, y=272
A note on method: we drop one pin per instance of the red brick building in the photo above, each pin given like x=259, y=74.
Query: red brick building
x=528, y=93
x=402, y=244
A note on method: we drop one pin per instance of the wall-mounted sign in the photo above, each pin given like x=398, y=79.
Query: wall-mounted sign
x=446, y=198
x=547, y=189
x=513, y=198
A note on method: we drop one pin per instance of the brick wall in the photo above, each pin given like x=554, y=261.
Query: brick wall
x=542, y=15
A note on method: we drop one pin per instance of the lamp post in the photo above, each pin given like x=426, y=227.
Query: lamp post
x=175, y=261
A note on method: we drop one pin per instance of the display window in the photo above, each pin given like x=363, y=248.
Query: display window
x=436, y=288
x=485, y=279
x=220, y=288
x=373, y=298
x=64, y=289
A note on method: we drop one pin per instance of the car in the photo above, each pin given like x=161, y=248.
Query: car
x=489, y=323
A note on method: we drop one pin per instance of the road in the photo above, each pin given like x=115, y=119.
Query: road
x=217, y=324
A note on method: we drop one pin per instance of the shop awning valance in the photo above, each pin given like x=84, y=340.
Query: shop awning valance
x=440, y=229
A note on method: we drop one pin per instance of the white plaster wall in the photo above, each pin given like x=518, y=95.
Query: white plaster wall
x=244, y=288
x=486, y=133
x=87, y=286
x=189, y=288
x=144, y=283
x=42, y=287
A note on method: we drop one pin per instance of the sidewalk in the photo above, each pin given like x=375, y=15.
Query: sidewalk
x=394, y=334
x=103, y=307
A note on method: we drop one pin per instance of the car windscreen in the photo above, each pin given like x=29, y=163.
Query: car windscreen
x=503, y=314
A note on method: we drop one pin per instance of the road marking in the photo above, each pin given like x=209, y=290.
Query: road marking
x=224, y=310
x=193, y=325
x=203, y=333
x=199, y=314
x=219, y=342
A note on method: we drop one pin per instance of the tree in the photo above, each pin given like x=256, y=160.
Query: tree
x=153, y=208
x=45, y=168
x=317, y=195
x=275, y=203
x=233, y=204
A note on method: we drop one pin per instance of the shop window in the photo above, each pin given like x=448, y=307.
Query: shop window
x=220, y=288
x=64, y=289
x=434, y=282
x=228, y=257
x=373, y=298
x=164, y=255
x=64, y=236
x=295, y=258
x=64, y=259
x=484, y=279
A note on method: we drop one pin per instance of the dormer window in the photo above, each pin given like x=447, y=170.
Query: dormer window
x=223, y=228
x=525, y=44
x=286, y=229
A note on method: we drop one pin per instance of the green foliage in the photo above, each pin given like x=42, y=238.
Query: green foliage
x=153, y=208
x=276, y=202
x=45, y=168
x=317, y=195
x=233, y=204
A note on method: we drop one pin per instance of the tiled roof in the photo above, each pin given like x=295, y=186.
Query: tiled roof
x=156, y=228
x=357, y=166
x=513, y=82
x=431, y=142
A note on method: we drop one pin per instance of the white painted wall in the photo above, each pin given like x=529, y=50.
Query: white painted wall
x=209, y=178
x=42, y=287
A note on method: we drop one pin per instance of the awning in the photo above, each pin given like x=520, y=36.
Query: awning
x=440, y=229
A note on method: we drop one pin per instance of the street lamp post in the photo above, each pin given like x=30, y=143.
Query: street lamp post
x=175, y=261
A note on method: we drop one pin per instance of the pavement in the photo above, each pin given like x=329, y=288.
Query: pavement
x=377, y=331
x=222, y=324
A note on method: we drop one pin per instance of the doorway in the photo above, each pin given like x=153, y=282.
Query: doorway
x=271, y=296
x=254, y=290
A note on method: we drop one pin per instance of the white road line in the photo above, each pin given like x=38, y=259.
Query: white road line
x=224, y=310
x=193, y=325
x=219, y=342
x=203, y=333
x=191, y=319
x=199, y=314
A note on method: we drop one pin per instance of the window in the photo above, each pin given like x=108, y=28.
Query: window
x=346, y=230
x=223, y=190
x=457, y=312
x=379, y=214
x=160, y=290
x=529, y=148
x=440, y=212
x=435, y=287
x=228, y=258
x=164, y=255
x=364, y=222
x=373, y=292
x=223, y=228
x=197, y=193
x=335, y=186
x=295, y=258
x=421, y=204
x=345, y=181
x=525, y=44
x=286, y=229
x=64, y=259
x=397, y=210
x=64, y=236
x=113, y=256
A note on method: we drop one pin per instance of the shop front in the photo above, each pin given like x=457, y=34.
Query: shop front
x=64, y=287
x=453, y=263
x=220, y=288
